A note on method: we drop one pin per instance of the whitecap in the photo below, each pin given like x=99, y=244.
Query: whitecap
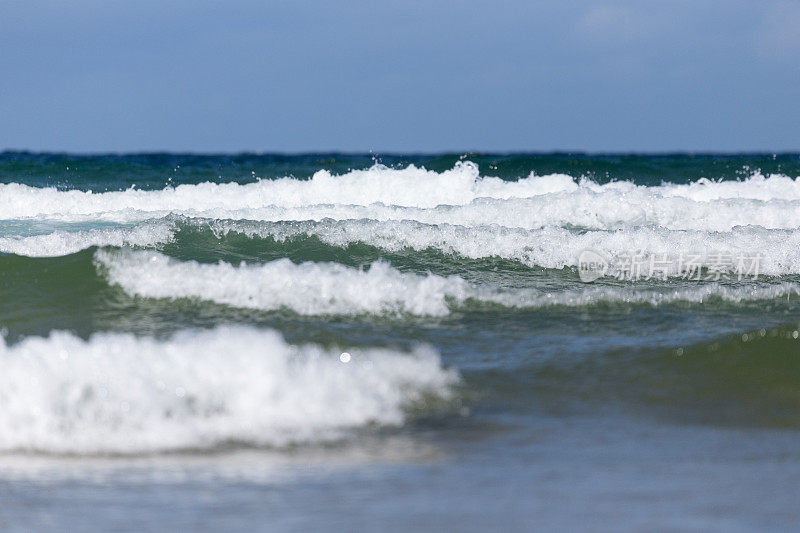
x=118, y=393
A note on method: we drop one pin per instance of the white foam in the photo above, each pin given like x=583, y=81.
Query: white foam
x=699, y=293
x=307, y=288
x=551, y=247
x=608, y=210
x=331, y=288
x=755, y=187
x=116, y=393
x=60, y=242
x=411, y=186
x=457, y=196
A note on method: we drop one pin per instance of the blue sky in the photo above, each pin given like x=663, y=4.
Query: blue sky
x=92, y=76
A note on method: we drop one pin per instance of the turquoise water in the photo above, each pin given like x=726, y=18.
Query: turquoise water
x=330, y=340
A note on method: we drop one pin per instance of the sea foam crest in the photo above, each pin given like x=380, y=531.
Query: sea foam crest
x=332, y=288
x=457, y=196
x=306, y=288
x=117, y=393
x=583, y=208
x=778, y=251
x=61, y=242
x=411, y=186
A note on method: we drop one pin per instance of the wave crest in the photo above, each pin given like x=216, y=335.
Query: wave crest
x=334, y=289
x=117, y=393
x=457, y=196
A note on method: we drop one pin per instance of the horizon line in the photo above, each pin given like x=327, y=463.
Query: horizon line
x=393, y=153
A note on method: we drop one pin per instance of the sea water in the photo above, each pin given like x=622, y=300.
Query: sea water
x=329, y=341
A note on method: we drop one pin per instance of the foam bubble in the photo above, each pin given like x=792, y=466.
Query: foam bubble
x=117, y=393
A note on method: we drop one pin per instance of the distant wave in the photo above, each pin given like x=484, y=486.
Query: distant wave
x=458, y=196
x=117, y=393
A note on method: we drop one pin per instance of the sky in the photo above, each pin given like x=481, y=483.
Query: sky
x=412, y=76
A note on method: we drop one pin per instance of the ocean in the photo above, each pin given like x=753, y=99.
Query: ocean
x=454, y=341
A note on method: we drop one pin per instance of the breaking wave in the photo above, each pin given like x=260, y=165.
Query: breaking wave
x=334, y=289
x=552, y=247
x=117, y=393
x=61, y=242
x=458, y=196
x=778, y=251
